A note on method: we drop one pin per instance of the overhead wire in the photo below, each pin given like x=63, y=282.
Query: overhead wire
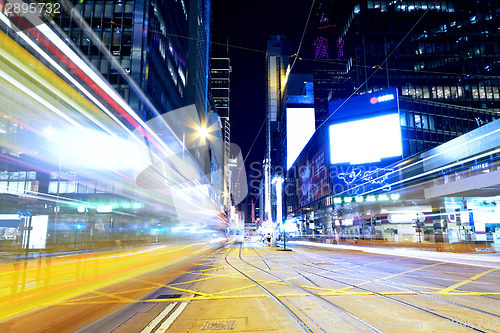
x=279, y=93
x=289, y=71
x=331, y=61
x=377, y=68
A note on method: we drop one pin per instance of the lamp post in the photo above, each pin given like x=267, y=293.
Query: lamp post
x=203, y=132
x=278, y=181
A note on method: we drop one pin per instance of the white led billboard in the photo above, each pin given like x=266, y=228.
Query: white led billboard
x=299, y=129
x=366, y=141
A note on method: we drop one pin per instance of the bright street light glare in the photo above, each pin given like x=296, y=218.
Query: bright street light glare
x=203, y=132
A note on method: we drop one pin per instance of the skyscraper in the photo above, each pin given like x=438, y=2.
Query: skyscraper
x=330, y=81
x=149, y=40
x=441, y=57
x=220, y=87
x=198, y=76
x=139, y=49
x=277, y=68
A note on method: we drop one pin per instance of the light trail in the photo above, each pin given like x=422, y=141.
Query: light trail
x=49, y=281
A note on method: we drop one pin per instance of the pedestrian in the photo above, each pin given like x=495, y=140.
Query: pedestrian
x=268, y=239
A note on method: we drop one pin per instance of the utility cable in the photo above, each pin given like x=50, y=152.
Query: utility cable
x=279, y=93
x=377, y=68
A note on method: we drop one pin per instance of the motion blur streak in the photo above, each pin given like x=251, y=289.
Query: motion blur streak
x=63, y=53
x=30, y=284
x=81, y=204
x=94, y=150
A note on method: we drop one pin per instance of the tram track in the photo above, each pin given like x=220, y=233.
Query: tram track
x=394, y=285
x=398, y=286
x=354, y=321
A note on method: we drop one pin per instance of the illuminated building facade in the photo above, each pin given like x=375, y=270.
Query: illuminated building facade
x=329, y=70
x=220, y=88
x=220, y=85
x=355, y=179
x=277, y=66
x=147, y=38
x=198, y=76
x=445, y=69
x=138, y=50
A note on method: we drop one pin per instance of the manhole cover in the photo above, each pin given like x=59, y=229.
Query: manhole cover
x=168, y=296
x=220, y=325
x=226, y=325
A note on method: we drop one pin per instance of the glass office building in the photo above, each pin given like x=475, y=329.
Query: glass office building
x=61, y=133
x=442, y=58
x=149, y=41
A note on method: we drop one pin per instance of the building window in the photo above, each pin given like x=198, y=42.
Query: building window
x=440, y=93
x=418, y=120
x=496, y=94
x=426, y=92
x=108, y=10
x=447, y=93
x=88, y=10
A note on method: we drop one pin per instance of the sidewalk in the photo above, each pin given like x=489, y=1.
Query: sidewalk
x=473, y=259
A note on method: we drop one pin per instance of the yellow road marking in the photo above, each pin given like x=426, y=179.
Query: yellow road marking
x=189, y=291
x=236, y=289
x=192, y=281
x=390, y=276
x=209, y=269
x=227, y=297
x=443, y=279
x=422, y=287
x=475, y=277
x=232, y=276
x=456, y=273
x=113, y=296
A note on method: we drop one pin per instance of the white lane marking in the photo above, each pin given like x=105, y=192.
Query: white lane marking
x=158, y=318
x=171, y=318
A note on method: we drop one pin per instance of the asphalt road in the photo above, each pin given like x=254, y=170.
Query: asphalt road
x=247, y=287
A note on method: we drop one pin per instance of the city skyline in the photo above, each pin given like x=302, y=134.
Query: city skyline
x=246, y=36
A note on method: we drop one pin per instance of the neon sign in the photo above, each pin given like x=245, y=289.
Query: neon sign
x=383, y=98
x=356, y=176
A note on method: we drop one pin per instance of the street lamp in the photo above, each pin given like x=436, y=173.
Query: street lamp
x=203, y=132
x=278, y=181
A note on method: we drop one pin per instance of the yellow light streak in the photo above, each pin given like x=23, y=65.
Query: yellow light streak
x=28, y=285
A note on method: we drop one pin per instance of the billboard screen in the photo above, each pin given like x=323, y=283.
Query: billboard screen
x=319, y=174
x=365, y=128
x=300, y=127
x=366, y=141
x=313, y=174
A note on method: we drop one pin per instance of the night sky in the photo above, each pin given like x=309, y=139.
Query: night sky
x=248, y=25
